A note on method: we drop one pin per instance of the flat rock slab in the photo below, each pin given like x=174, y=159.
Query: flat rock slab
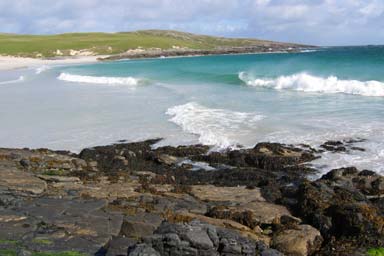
x=21, y=182
x=53, y=178
x=112, y=191
x=236, y=195
x=48, y=224
x=251, y=214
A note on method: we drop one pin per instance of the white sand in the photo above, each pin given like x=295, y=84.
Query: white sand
x=9, y=63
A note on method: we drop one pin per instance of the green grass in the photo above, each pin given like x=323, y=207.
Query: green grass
x=376, y=251
x=112, y=43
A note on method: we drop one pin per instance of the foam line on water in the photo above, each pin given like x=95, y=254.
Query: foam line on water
x=20, y=79
x=309, y=83
x=102, y=80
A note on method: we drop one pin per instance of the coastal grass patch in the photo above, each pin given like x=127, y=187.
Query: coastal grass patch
x=376, y=251
x=112, y=43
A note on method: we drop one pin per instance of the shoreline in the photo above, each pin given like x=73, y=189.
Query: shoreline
x=8, y=63
x=13, y=62
x=154, y=54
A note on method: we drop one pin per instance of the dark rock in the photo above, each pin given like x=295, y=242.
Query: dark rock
x=25, y=163
x=197, y=238
x=118, y=246
x=140, y=225
x=271, y=252
x=142, y=250
x=339, y=207
x=378, y=186
x=334, y=146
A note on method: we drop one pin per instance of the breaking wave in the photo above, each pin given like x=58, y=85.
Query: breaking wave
x=309, y=83
x=215, y=127
x=41, y=69
x=128, y=81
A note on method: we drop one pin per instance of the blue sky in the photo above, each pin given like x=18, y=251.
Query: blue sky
x=321, y=22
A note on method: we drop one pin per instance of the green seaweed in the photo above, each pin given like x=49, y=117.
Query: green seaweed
x=376, y=251
x=42, y=241
x=59, y=172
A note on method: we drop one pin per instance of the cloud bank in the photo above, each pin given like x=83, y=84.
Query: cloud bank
x=321, y=22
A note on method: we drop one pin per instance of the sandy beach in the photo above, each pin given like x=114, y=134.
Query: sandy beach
x=10, y=63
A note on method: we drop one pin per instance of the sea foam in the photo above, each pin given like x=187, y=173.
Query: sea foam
x=310, y=83
x=127, y=81
x=42, y=69
x=215, y=127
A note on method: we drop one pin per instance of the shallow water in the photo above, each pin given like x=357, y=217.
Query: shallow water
x=224, y=101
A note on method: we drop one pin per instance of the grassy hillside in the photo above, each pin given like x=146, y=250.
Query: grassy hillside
x=112, y=43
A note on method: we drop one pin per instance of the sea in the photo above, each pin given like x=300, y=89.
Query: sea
x=225, y=101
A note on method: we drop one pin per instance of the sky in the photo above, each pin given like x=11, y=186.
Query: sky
x=317, y=22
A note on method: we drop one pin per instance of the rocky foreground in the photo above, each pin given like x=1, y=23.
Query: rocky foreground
x=130, y=199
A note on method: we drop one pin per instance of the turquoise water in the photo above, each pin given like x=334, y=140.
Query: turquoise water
x=223, y=101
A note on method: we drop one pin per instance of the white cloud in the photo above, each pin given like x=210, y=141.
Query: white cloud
x=309, y=21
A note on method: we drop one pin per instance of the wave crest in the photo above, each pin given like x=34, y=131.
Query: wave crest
x=216, y=127
x=42, y=69
x=129, y=81
x=309, y=83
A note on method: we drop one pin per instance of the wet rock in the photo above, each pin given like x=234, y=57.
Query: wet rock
x=340, y=199
x=367, y=182
x=305, y=240
x=139, y=156
x=268, y=156
x=342, y=146
x=334, y=146
x=183, y=151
